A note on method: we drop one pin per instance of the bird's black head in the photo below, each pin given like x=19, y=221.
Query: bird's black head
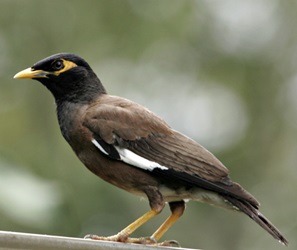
x=67, y=76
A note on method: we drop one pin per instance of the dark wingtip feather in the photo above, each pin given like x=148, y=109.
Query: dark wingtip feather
x=259, y=218
x=272, y=229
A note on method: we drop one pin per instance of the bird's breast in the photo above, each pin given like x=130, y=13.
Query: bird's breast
x=70, y=120
x=79, y=137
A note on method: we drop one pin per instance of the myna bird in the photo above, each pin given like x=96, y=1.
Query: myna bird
x=130, y=147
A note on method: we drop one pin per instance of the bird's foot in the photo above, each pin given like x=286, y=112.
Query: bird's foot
x=125, y=239
x=169, y=243
x=153, y=242
x=120, y=237
x=116, y=237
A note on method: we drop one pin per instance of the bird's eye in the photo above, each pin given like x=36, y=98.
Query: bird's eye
x=57, y=65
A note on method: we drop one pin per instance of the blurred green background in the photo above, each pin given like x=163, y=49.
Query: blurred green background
x=221, y=72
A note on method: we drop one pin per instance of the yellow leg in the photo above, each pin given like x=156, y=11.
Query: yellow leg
x=165, y=226
x=177, y=209
x=126, y=232
x=123, y=236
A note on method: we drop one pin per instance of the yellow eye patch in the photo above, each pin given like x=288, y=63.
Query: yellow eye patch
x=67, y=65
x=61, y=66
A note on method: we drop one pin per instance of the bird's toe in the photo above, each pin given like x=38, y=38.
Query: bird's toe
x=169, y=243
x=117, y=237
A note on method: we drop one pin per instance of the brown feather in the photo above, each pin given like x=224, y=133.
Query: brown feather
x=124, y=123
x=255, y=215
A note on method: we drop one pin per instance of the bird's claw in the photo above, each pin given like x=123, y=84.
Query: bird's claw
x=142, y=240
x=117, y=237
x=169, y=243
x=153, y=242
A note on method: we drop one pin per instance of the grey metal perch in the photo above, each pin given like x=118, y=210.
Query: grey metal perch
x=15, y=240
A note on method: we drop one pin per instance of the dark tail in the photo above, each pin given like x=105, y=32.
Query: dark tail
x=255, y=215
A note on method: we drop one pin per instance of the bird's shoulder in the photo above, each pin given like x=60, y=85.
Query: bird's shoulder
x=112, y=115
x=115, y=120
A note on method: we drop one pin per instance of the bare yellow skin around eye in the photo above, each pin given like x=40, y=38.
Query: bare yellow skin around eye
x=31, y=73
x=67, y=65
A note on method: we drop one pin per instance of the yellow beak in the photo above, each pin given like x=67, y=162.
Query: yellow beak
x=31, y=74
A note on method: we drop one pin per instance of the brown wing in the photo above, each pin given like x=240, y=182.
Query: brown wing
x=120, y=122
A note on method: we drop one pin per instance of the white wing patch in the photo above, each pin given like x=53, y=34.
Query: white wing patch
x=131, y=158
x=99, y=146
x=138, y=161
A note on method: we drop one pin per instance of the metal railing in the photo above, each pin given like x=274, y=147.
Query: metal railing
x=14, y=240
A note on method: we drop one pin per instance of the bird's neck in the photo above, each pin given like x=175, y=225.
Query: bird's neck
x=81, y=90
x=82, y=95
x=68, y=113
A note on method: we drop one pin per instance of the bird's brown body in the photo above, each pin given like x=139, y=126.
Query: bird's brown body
x=109, y=117
x=79, y=137
x=128, y=146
